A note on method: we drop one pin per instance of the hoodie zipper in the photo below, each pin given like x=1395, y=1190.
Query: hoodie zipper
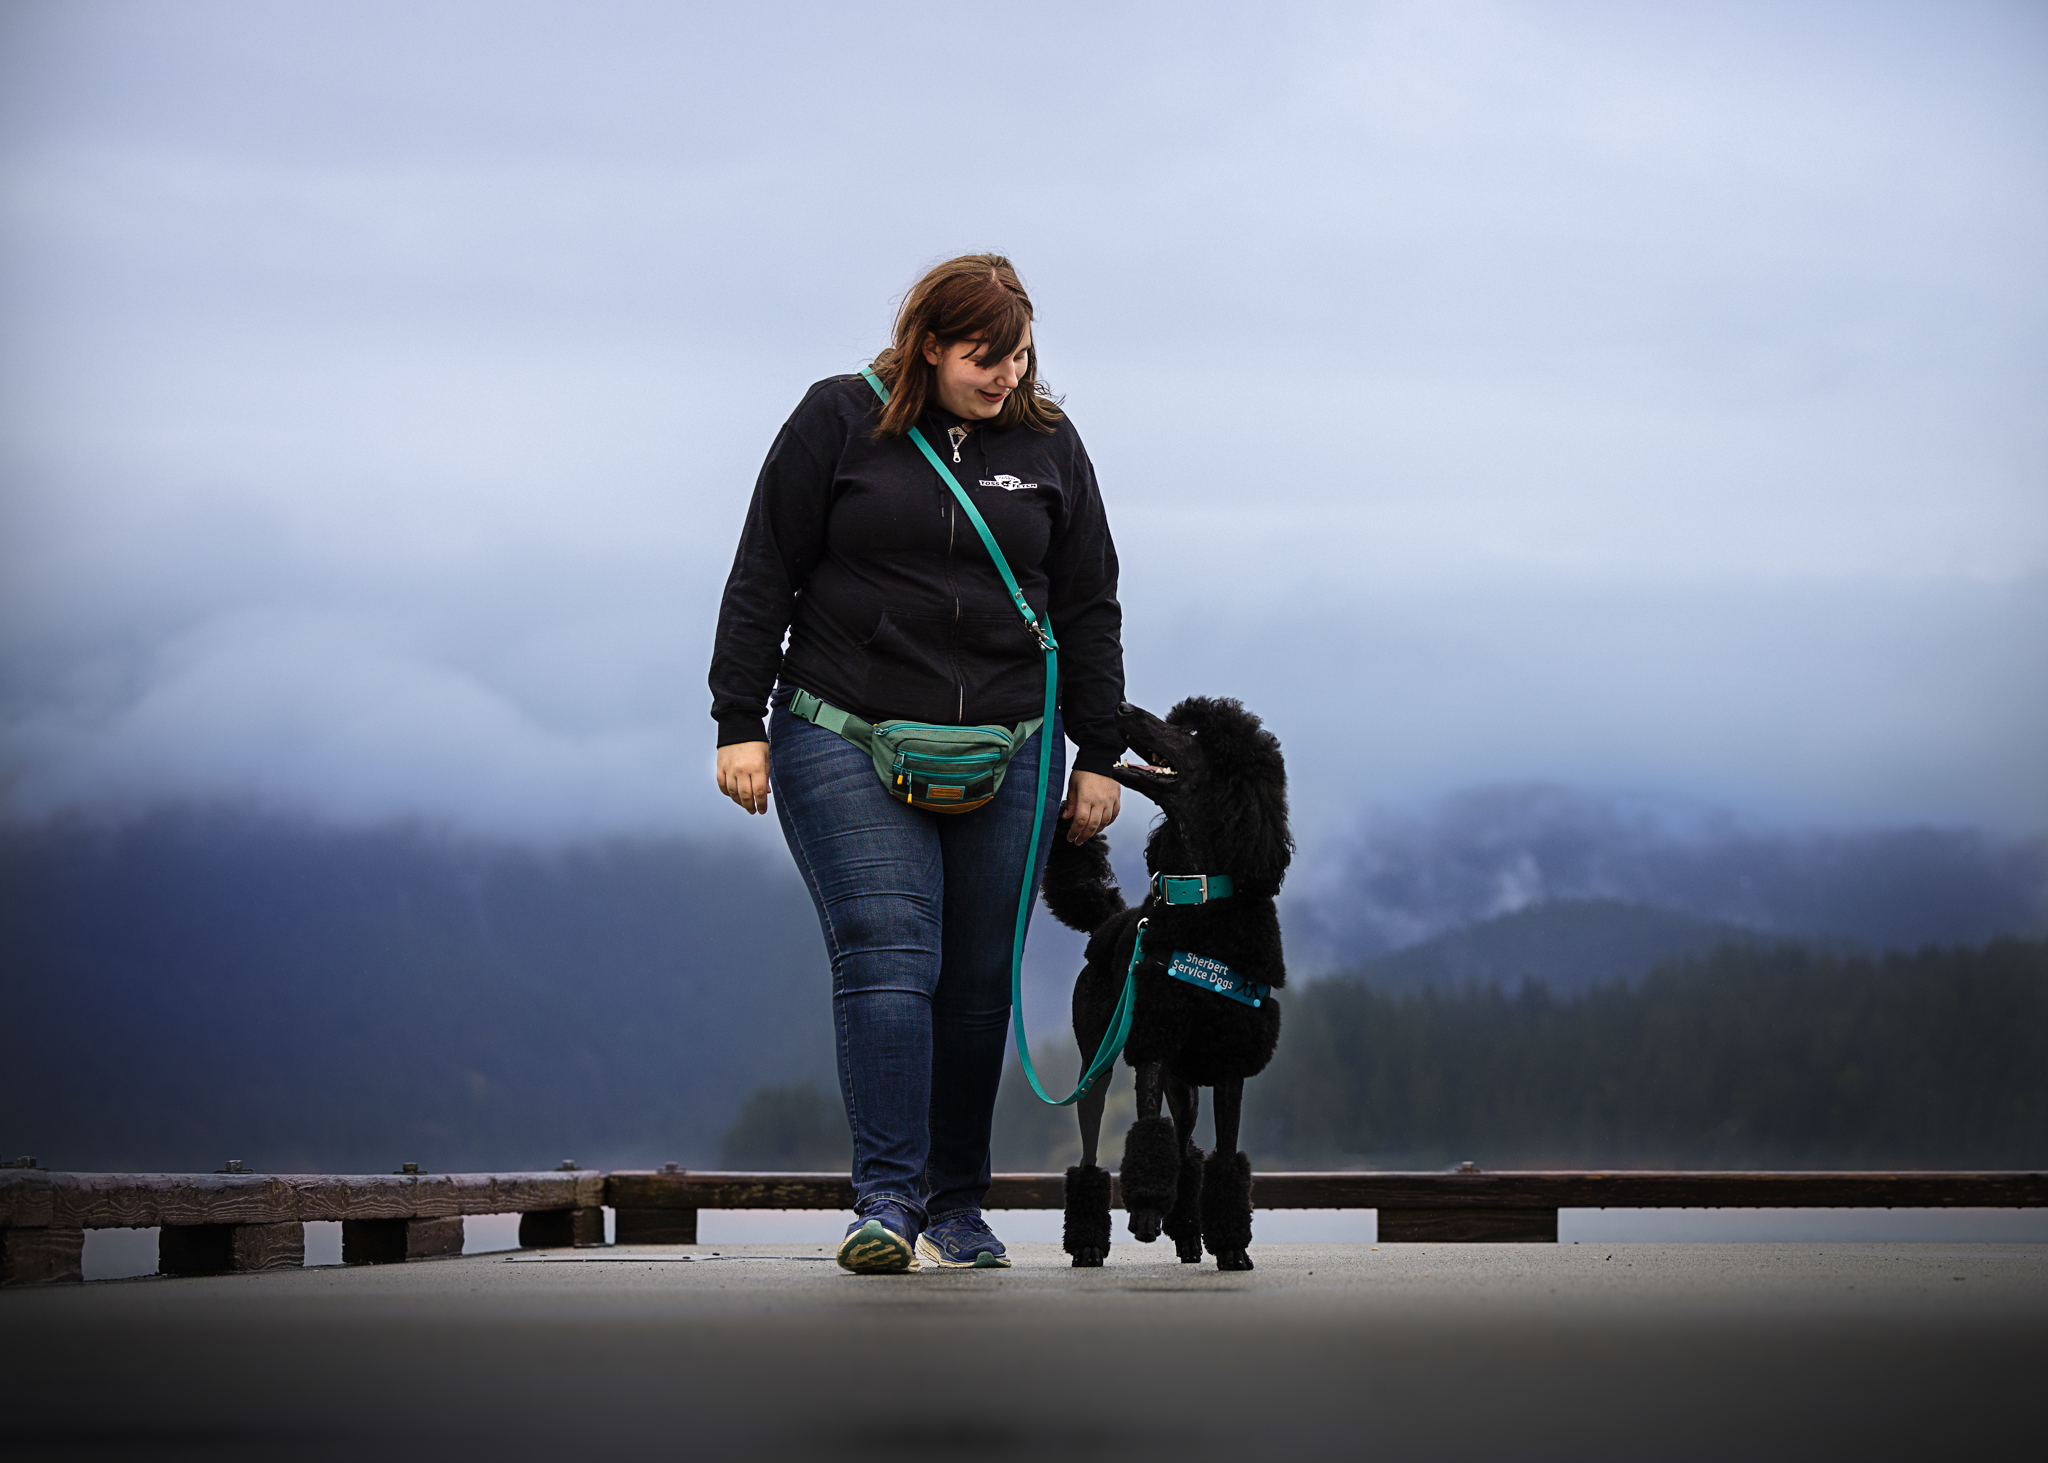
x=956, y=436
x=959, y=686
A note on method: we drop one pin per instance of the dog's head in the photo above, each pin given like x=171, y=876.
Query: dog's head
x=1218, y=776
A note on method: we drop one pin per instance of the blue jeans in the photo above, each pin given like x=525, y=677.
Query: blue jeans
x=919, y=910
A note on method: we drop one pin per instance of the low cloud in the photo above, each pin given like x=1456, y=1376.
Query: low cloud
x=1402, y=878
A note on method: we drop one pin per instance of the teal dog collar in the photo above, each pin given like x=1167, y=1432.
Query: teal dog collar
x=1191, y=888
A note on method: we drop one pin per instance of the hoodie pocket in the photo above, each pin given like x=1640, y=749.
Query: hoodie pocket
x=1002, y=670
x=909, y=675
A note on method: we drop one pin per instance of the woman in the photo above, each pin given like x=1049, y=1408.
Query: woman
x=856, y=547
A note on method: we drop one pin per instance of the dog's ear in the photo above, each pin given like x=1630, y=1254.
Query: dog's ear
x=1252, y=823
x=1248, y=812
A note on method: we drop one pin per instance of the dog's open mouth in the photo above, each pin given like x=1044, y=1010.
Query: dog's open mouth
x=1147, y=769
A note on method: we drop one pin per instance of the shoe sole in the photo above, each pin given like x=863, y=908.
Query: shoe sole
x=876, y=1249
x=986, y=1260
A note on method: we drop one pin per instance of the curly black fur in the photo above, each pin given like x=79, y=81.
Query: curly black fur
x=1086, y=1235
x=1221, y=786
x=1184, y=1221
x=1080, y=887
x=1150, y=1171
x=1225, y=813
x=1227, y=1205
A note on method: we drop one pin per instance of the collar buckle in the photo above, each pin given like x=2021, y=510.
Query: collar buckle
x=1191, y=888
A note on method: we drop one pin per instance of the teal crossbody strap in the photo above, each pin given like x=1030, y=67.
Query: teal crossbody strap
x=1120, y=1024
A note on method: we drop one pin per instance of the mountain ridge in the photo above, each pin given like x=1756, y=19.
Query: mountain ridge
x=1567, y=945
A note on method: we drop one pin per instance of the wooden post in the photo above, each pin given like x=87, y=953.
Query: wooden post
x=394, y=1241
x=228, y=1249
x=657, y=1226
x=1468, y=1226
x=43, y=1256
x=561, y=1229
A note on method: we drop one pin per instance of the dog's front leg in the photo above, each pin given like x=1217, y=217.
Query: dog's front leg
x=1227, y=1186
x=1151, y=1167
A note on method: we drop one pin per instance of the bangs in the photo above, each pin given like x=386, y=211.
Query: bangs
x=990, y=315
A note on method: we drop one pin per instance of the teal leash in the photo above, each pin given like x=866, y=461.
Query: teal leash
x=1120, y=1020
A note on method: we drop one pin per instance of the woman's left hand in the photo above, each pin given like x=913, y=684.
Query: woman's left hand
x=1092, y=802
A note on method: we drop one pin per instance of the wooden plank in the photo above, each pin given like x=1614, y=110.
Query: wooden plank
x=41, y=1256
x=1537, y=1189
x=145, y=1200
x=103, y=1201
x=560, y=1229
x=1468, y=1226
x=474, y=1193
x=267, y=1247
x=1034, y=1191
x=434, y=1196
x=1649, y=1189
x=701, y=1190
x=352, y=1196
x=523, y=1193
x=394, y=1241
x=25, y=1198
x=656, y=1226
x=428, y=1238
x=226, y=1249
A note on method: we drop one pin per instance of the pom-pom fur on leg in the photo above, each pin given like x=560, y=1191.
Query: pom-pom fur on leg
x=1087, y=1218
x=1151, y=1174
x=1184, y=1221
x=1227, y=1209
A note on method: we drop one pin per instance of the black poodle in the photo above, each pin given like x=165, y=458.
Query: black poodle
x=1205, y=1015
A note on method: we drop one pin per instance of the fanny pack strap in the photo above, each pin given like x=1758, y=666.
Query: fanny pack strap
x=1041, y=630
x=832, y=719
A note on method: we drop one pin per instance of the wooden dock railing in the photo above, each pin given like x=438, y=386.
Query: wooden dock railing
x=224, y=1222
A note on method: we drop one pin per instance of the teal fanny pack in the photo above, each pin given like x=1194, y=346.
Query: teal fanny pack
x=942, y=769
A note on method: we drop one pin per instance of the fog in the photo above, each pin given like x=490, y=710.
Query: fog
x=1644, y=400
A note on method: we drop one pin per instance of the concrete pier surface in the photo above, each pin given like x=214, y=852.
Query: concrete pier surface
x=1582, y=1351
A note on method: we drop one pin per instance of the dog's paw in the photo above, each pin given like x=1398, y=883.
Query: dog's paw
x=1233, y=1260
x=1146, y=1225
x=1190, y=1256
x=1086, y=1259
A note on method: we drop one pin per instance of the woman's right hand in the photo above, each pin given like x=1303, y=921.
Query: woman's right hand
x=743, y=774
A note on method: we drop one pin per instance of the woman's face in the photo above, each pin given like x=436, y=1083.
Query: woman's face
x=976, y=392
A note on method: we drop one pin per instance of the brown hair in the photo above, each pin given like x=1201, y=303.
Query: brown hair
x=976, y=297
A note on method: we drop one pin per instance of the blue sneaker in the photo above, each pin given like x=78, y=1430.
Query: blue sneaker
x=962, y=1242
x=881, y=1242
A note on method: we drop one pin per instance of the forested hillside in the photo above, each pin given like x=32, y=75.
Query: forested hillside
x=1742, y=1058
x=194, y=987
x=189, y=987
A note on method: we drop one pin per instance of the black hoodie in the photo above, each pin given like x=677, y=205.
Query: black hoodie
x=856, y=547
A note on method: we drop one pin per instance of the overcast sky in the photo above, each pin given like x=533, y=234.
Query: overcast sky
x=1643, y=398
